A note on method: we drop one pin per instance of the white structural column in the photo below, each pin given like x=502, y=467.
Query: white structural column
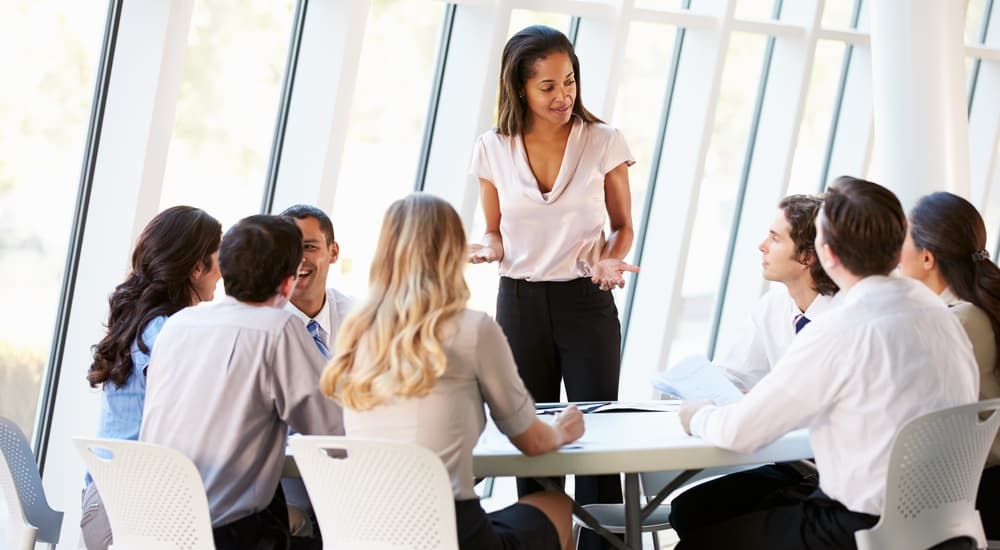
x=467, y=101
x=656, y=304
x=921, y=125
x=320, y=105
x=137, y=126
x=984, y=122
x=600, y=45
x=770, y=163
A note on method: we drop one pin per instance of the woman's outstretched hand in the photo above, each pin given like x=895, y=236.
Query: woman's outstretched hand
x=610, y=273
x=479, y=254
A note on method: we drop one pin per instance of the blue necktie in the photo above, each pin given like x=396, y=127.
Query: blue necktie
x=800, y=321
x=315, y=332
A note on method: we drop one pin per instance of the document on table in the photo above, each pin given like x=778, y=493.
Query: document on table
x=696, y=379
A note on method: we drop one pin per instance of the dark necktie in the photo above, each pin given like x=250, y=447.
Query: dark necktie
x=316, y=332
x=800, y=321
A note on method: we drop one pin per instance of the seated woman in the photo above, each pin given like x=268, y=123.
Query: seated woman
x=945, y=248
x=175, y=264
x=414, y=365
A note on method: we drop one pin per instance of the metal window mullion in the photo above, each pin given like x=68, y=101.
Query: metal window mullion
x=281, y=125
x=50, y=385
x=434, y=103
x=734, y=226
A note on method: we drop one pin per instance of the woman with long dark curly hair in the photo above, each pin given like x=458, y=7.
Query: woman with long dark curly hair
x=175, y=264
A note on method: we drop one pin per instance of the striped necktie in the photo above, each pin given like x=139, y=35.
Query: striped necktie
x=316, y=332
x=800, y=321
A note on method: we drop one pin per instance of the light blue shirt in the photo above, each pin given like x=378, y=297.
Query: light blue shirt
x=121, y=407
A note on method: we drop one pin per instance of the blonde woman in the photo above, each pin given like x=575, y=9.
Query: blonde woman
x=413, y=364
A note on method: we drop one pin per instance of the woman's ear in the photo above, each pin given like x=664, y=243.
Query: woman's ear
x=927, y=260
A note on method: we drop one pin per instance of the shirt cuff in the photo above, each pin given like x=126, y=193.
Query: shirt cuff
x=700, y=420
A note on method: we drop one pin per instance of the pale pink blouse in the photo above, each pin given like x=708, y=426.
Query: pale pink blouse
x=554, y=236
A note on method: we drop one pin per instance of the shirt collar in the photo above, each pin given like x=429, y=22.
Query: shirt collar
x=949, y=297
x=323, y=317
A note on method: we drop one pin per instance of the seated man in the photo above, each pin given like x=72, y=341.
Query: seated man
x=889, y=352
x=231, y=377
x=322, y=310
x=805, y=294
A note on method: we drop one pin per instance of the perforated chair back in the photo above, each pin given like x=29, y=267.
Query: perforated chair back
x=154, y=496
x=28, y=511
x=377, y=495
x=934, y=469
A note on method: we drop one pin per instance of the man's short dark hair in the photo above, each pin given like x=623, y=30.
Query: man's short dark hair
x=864, y=224
x=257, y=254
x=800, y=211
x=303, y=211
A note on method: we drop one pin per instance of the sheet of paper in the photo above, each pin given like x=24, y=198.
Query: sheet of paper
x=696, y=379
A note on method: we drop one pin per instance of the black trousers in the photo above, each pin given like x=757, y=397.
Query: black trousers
x=768, y=508
x=265, y=530
x=565, y=332
x=988, y=502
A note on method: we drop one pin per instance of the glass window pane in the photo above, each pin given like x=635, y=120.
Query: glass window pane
x=385, y=130
x=520, y=19
x=660, y=4
x=639, y=104
x=814, y=133
x=974, y=20
x=233, y=70
x=717, y=195
x=837, y=14
x=49, y=64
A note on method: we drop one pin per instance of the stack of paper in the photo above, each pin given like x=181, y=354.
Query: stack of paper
x=696, y=379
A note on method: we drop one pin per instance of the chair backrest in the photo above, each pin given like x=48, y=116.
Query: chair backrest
x=154, y=496
x=377, y=495
x=934, y=469
x=22, y=486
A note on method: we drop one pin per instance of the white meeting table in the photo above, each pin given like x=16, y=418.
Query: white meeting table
x=628, y=443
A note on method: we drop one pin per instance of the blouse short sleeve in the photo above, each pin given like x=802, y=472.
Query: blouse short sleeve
x=617, y=152
x=480, y=167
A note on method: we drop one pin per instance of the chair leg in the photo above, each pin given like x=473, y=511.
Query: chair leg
x=656, y=539
x=576, y=535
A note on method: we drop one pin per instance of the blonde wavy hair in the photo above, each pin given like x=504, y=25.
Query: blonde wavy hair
x=416, y=283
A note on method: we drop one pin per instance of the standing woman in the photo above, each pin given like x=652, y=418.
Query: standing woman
x=414, y=365
x=551, y=175
x=175, y=264
x=945, y=248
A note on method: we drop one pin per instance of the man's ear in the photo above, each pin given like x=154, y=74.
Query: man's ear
x=287, y=286
x=832, y=259
x=334, y=252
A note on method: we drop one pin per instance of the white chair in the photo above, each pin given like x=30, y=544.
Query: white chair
x=154, y=496
x=377, y=495
x=612, y=516
x=934, y=469
x=30, y=519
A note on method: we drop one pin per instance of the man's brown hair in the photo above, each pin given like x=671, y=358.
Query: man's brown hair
x=800, y=211
x=864, y=224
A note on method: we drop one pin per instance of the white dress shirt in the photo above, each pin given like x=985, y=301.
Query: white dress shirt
x=890, y=352
x=554, y=236
x=335, y=308
x=772, y=331
x=227, y=380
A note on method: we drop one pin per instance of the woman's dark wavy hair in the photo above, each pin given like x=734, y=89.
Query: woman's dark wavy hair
x=951, y=229
x=159, y=283
x=517, y=65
